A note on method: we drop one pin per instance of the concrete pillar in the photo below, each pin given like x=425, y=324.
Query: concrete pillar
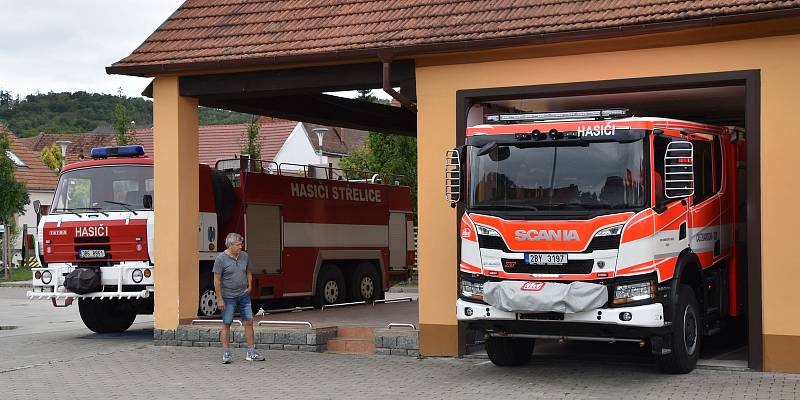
x=175, y=125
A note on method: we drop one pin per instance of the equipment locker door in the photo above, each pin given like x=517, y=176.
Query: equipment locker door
x=398, y=240
x=263, y=236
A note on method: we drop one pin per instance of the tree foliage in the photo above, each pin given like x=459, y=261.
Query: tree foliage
x=124, y=126
x=13, y=194
x=83, y=112
x=251, y=146
x=51, y=156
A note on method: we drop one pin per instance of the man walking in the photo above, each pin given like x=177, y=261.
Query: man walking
x=232, y=280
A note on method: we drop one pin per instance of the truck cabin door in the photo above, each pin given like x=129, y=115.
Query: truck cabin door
x=672, y=218
x=398, y=240
x=704, y=213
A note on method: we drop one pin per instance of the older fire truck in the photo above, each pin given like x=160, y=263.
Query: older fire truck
x=592, y=225
x=310, y=233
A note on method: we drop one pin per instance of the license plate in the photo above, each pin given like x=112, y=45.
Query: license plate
x=93, y=253
x=546, y=259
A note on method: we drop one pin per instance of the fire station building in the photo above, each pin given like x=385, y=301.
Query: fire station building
x=727, y=62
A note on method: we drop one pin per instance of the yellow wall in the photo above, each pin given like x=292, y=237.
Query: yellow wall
x=776, y=57
x=176, y=172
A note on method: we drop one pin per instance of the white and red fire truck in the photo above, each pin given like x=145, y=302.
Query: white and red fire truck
x=592, y=225
x=327, y=239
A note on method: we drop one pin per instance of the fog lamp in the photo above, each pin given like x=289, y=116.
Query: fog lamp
x=625, y=316
x=468, y=311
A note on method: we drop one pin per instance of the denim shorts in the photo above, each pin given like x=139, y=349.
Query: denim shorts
x=243, y=303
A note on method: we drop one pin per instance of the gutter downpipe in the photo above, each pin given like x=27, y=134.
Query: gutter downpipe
x=386, y=59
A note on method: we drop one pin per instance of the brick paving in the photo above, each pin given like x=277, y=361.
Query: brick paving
x=128, y=365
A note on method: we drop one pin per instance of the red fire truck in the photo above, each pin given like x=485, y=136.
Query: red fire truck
x=327, y=238
x=592, y=225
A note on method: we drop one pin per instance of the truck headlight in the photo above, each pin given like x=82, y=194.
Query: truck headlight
x=47, y=277
x=472, y=290
x=137, y=275
x=487, y=231
x=629, y=292
x=610, y=231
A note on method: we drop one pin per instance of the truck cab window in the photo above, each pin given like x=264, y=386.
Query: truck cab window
x=703, y=171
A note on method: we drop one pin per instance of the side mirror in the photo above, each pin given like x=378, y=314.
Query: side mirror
x=452, y=176
x=679, y=170
x=37, y=206
x=147, y=201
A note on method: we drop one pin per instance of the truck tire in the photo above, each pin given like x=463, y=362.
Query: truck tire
x=107, y=315
x=685, y=335
x=508, y=351
x=365, y=283
x=330, y=286
x=208, y=303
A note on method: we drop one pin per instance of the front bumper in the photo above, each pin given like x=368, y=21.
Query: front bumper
x=116, y=280
x=645, y=316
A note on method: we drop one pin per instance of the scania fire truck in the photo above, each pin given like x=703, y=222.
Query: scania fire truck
x=310, y=232
x=592, y=225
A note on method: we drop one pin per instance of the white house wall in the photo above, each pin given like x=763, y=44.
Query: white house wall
x=298, y=150
x=29, y=216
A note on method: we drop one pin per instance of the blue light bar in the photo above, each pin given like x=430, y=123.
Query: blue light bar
x=122, y=151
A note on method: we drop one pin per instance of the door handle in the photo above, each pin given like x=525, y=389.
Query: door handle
x=682, y=232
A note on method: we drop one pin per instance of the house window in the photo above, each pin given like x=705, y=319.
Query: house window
x=16, y=160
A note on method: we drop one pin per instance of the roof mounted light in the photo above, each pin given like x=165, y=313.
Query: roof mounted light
x=559, y=115
x=121, y=151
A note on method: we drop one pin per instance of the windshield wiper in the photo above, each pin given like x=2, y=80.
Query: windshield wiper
x=126, y=205
x=69, y=210
x=96, y=209
x=505, y=207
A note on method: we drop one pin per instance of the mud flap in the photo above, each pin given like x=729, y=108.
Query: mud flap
x=533, y=297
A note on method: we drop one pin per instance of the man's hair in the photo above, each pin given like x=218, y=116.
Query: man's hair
x=233, y=238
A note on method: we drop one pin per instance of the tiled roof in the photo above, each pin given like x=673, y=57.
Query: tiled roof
x=35, y=174
x=226, y=141
x=80, y=148
x=336, y=140
x=215, y=141
x=236, y=32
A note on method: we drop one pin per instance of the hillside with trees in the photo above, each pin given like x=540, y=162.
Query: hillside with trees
x=84, y=112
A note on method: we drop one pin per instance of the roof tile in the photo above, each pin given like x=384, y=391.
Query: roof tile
x=231, y=30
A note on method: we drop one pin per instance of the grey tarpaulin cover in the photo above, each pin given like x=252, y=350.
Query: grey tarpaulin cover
x=532, y=296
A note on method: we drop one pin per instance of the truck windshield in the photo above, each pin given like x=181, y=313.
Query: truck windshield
x=595, y=175
x=107, y=188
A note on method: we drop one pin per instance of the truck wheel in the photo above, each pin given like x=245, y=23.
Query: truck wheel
x=106, y=315
x=509, y=351
x=330, y=286
x=365, y=284
x=208, y=303
x=685, y=335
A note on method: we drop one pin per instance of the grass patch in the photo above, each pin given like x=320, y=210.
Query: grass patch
x=17, y=274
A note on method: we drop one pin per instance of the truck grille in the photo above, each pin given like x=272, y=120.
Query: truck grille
x=582, y=267
x=98, y=239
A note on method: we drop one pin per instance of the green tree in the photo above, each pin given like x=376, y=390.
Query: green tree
x=51, y=156
x=252, y=147
x=386, y=154
x=123, y=124
x=14, y=194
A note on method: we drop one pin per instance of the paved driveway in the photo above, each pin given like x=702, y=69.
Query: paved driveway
x=68, y=361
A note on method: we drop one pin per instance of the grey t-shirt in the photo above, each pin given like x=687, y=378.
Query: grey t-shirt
x=233, y=273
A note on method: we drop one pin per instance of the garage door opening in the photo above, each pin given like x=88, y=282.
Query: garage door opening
x=723, y=99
